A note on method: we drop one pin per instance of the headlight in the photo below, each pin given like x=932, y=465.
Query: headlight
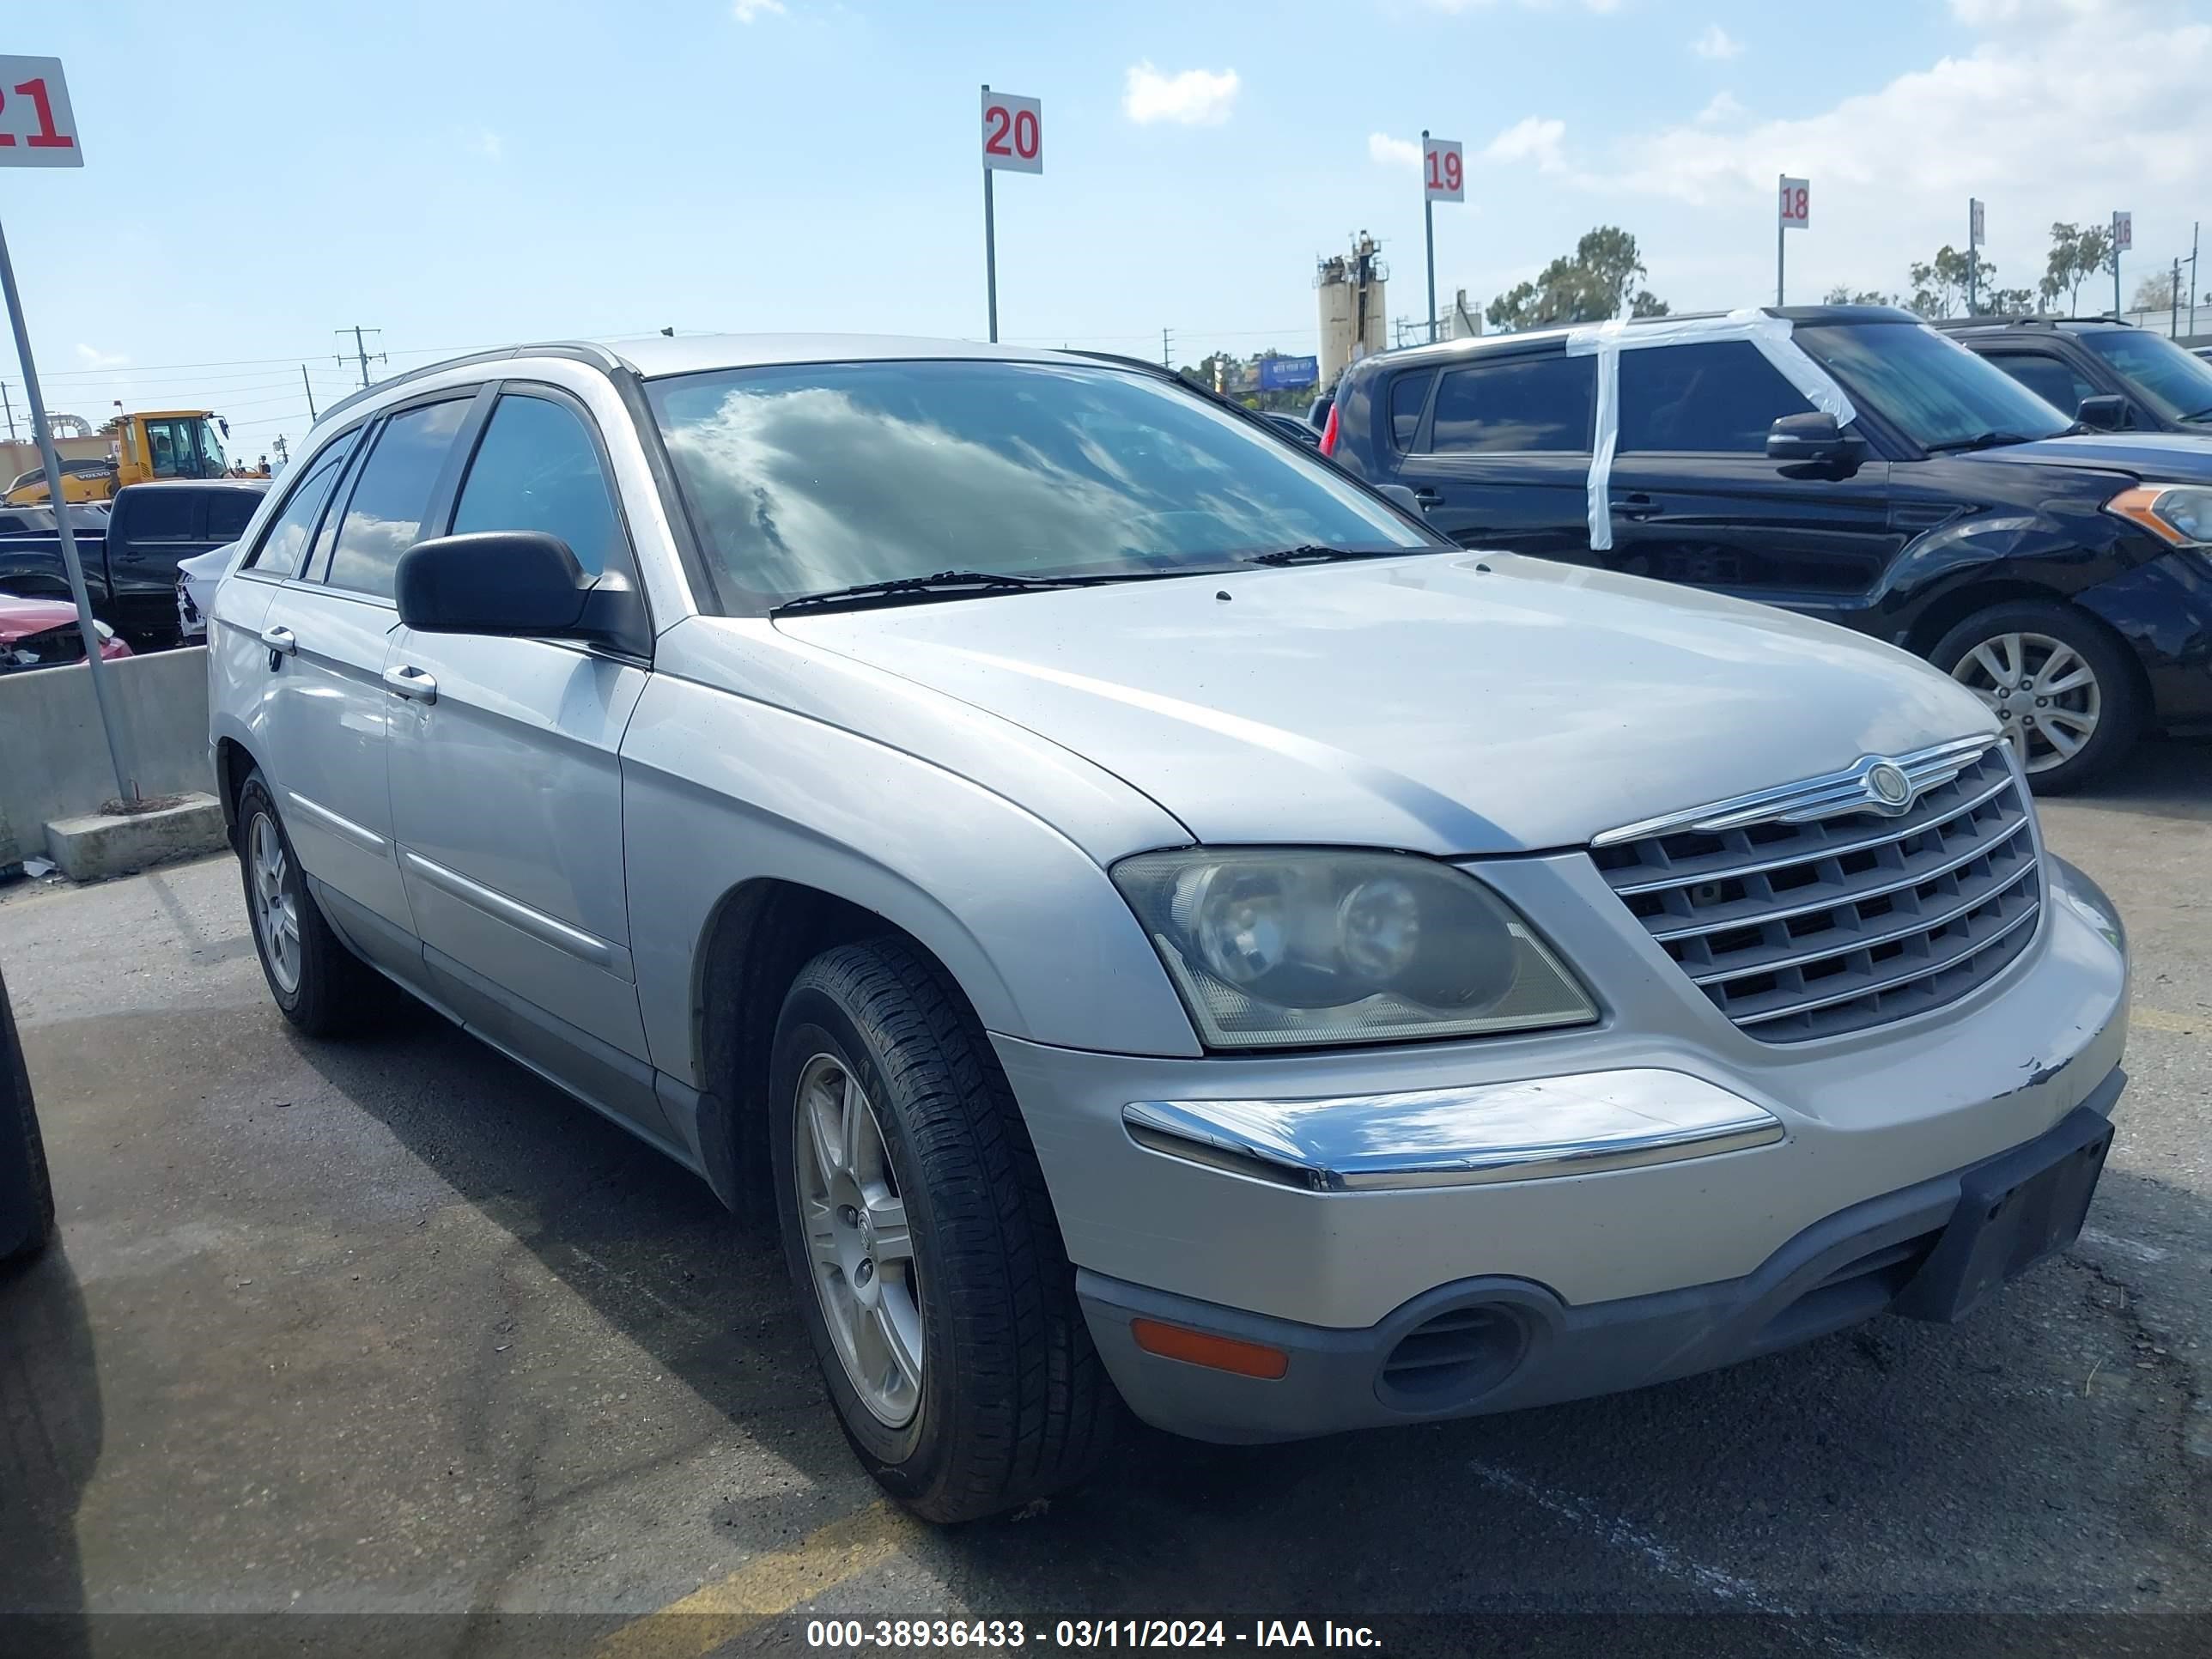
x=1274, y=947
x=2179, y=515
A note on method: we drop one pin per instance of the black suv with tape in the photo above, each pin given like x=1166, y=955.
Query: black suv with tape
x=1845, y=462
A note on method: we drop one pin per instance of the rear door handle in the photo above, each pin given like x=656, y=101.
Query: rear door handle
x=1428, y=497
x=409, y=682
x=1637, y=507
x=280, y=640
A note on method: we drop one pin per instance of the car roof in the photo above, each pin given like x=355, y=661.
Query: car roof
x=199, y=483
x=1448, y=350
x=2046, y=325
x=654, y=356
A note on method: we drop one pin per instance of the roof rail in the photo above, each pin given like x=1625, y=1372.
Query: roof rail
x=582, y=351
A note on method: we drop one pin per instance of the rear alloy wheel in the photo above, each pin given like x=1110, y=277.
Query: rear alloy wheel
x=2061, y=688
x=321, y=986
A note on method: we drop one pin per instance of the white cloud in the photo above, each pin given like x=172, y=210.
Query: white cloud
x=747, y=11
x=1394, y=152
x=1723, y=107
x=1193, y=97
x=488, y=144
x=93, y=357
x=1533, y=138
x=1716, y=44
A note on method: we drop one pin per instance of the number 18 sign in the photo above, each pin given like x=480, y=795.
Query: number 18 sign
x=1797, y=204
x=37, y=128
x=1013, y=133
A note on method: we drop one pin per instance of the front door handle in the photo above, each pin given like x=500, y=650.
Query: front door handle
x=280, y=640
x=412, y=682
x=1637, y=507
x=1428, y=497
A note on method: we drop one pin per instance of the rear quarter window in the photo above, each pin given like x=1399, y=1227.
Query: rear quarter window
x=1409, y=395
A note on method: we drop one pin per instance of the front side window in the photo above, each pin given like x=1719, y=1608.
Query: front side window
x=384, y=516
x=1719, y=398
x=1517, y=404
x=538, y=469
x=1935, y=391
x=166, y=454
x=228, y=512
x=2047, y=378
x=282, y=548
x=807, y=479
x=2178, y=383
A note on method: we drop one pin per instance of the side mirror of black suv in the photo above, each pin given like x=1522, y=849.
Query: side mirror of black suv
x=1812, y=440
x=2107, y=412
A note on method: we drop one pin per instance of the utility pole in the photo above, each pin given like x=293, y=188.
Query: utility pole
x=2173, y=302
x=10, y=408
x=1167, y=359
x=307, y=386
x=361, y=351
x=283, y=453
x=2192, y=280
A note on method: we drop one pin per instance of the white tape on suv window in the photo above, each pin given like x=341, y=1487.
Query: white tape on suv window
x=1606, y=341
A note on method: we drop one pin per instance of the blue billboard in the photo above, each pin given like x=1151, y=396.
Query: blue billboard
x=1288, y=374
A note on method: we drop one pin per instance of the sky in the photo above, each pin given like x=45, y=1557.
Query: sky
x=475, y=173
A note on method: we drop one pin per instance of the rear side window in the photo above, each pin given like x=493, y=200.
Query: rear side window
x=1409, y=393
x=1517, y=404
x=1715, y=398
x=228, y=512
x=2047, y=378
x=162, y=515
x=538, y=469
x=384, y=516
x=282, y=548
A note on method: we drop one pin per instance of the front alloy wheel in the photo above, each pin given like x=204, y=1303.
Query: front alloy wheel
x=2042, y=691
x=857, y=1243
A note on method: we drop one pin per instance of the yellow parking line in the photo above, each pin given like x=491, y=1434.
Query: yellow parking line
x=764, y=1588
x=2157, y=1019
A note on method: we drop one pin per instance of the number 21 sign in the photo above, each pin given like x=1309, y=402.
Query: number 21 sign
x=37, y=128
x=1013, y=133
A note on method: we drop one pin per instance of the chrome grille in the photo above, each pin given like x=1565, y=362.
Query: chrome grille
x=1809, y=929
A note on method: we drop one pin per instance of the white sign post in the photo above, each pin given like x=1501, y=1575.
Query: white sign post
x=2124, y=241
x=1014, y=141
x=1795, y=213
x=1443, y=179
x=38, y=129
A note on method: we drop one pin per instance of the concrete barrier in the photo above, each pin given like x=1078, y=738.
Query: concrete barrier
x=53, y=760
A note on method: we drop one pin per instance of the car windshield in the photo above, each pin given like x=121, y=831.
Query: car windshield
x=2174, y=382
x=806, y=479
x=1935, y=391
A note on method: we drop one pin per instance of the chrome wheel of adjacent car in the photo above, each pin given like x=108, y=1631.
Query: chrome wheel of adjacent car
x=275, y=902
x=2042, y=690
x=859, y=1249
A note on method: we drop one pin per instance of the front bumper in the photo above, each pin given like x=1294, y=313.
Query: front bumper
x=1493, y=1344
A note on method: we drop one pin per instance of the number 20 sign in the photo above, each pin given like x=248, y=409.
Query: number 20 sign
x=37, y=127
x=1013, y=133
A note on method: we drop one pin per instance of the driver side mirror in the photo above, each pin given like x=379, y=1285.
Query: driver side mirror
x=1812, y=439
x=1402, y=497
x=518, y=584
x=2106, y=412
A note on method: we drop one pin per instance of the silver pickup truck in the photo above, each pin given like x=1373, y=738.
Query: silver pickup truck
x=1154, y=923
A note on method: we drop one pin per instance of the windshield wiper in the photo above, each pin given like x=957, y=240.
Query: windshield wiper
x=965, y=585
x=2201, y=414
x=1320, y=553
x=1979, y=441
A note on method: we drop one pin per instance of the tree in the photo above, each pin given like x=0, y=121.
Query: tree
x=2155, y=292
x=1939, y=286
x=2077, y=255
x=1598, y=281
x=1843, y=294
x=2009, y=302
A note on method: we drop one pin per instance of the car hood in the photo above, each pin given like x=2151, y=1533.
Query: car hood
x=21, y=618
x=2177, y=457
x=1444, y=703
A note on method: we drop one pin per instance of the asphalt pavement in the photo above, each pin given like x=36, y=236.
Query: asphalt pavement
x=388, y=1345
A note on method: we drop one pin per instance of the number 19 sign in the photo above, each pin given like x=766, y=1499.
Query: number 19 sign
x=1443, y=170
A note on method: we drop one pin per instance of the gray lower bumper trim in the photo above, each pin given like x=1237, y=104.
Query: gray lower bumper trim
x=1839, y=1272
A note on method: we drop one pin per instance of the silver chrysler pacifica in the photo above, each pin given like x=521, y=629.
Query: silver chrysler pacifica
x=1152, y=923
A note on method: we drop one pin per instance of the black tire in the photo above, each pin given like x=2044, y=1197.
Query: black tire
x=1014, y=1403
x=24, y=1234
x=2117, y=688
x=336, y=992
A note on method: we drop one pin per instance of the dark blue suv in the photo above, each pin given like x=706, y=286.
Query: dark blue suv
x=1847, y=462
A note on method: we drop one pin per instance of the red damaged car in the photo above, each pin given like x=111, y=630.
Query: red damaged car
x=43, y=634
